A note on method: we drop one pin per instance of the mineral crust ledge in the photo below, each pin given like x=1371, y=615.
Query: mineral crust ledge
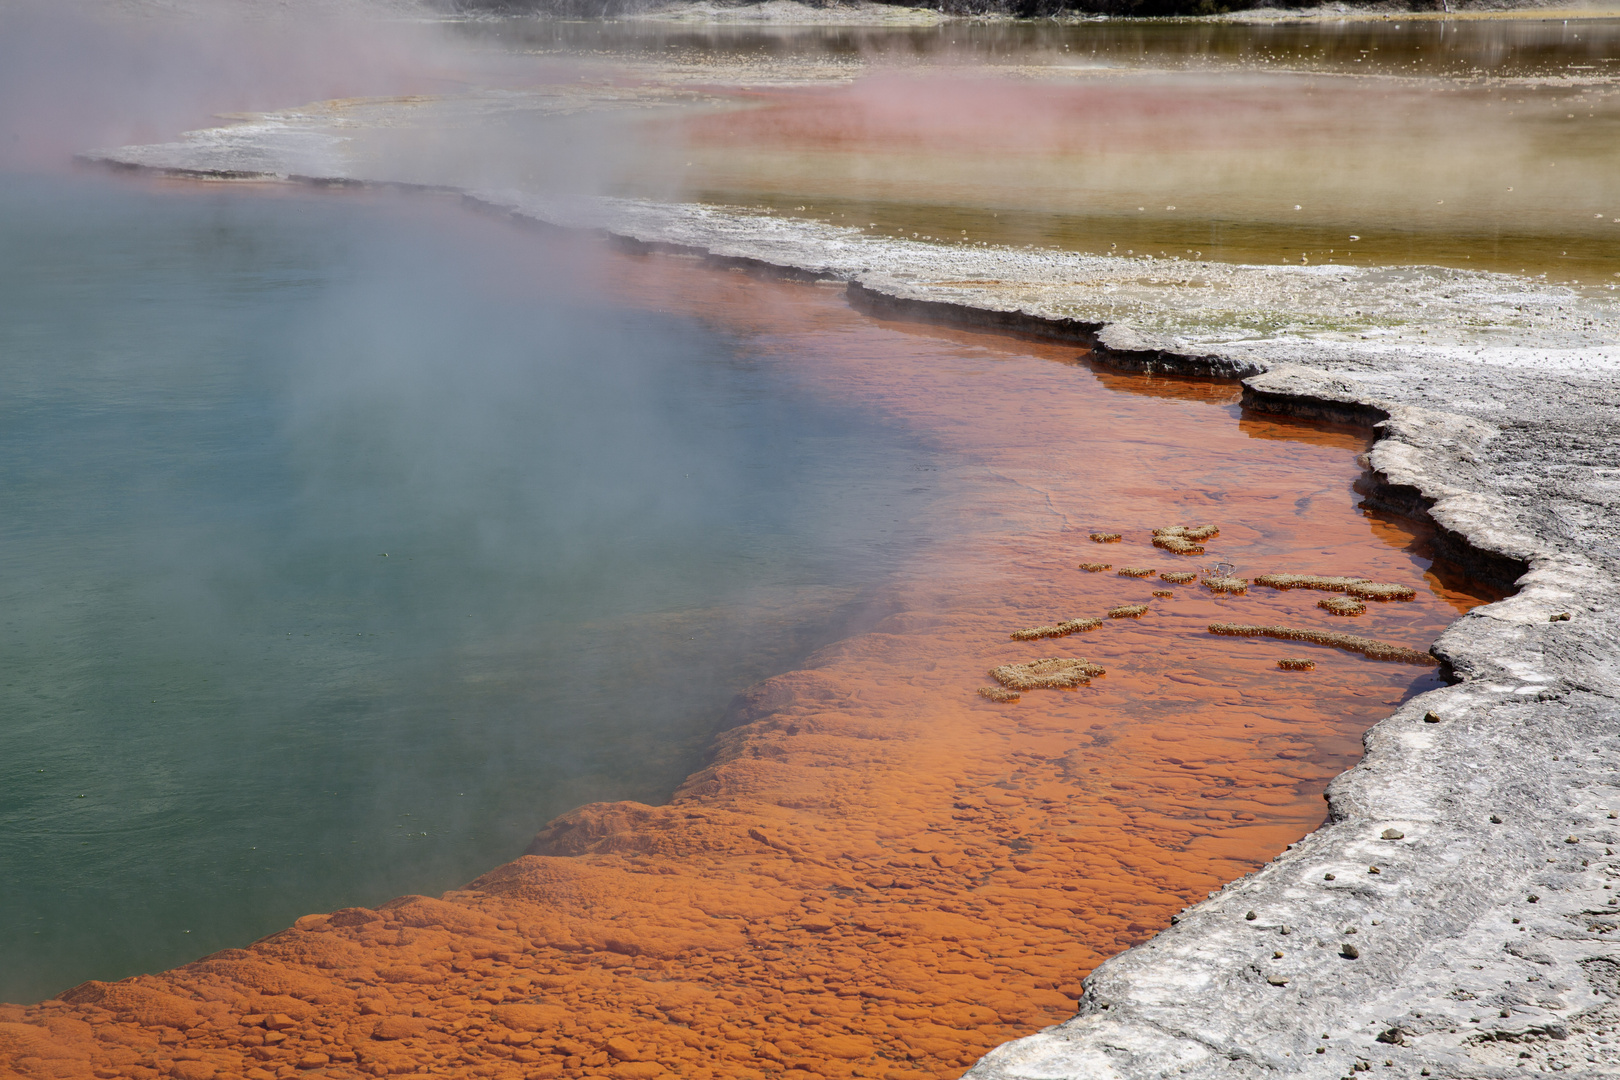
x=1457, y=913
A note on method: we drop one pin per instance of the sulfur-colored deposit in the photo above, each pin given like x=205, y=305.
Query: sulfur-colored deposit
x=1062, y=629
x=1377, y=650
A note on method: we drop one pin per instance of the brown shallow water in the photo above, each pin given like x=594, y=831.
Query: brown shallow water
x=880, y=873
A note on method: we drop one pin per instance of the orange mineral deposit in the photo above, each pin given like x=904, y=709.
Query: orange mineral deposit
x=880, y=872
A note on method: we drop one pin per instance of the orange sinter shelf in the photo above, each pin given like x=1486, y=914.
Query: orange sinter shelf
x=881, y=871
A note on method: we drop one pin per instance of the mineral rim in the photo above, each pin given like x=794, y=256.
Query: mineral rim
x=1479, y=941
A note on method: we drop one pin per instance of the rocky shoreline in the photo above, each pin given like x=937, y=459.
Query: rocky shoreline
x=1456, y=916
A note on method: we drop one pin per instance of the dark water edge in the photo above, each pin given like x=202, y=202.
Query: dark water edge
x=344, y=541
x=1527, y=47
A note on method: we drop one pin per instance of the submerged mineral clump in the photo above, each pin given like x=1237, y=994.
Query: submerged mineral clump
x=1062, y=629
x=1184, y=539
x=1362, y=587
x=1369, y=590
x=1106, y=538
x=1307, y=581
x=1136, y=571
x=1377, y=650
x=999, y=693
x=1178, y=577
x=1047, y=673
x=1096, y=567
x=1342, y=605
x=1128, y=611
x=1294, y=663
x=1225, y=583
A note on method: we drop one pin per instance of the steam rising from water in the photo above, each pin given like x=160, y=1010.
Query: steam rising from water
x=78, y=75
x=1086, y=138
x=348, y=542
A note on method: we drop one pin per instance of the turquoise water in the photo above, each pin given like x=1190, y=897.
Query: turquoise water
x=344, y=542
